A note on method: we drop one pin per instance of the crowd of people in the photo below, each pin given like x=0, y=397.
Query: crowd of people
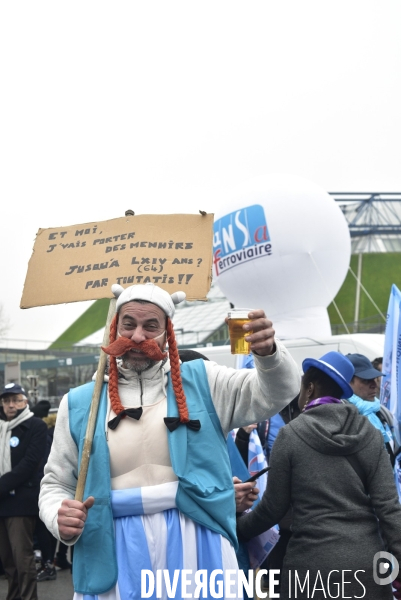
x=160, y=494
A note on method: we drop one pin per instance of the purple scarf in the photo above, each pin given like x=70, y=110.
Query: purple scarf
x=323, y=400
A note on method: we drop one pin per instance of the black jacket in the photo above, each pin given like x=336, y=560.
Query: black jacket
x=19, y=489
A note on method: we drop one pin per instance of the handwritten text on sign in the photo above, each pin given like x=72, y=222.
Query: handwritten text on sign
x=81, y=262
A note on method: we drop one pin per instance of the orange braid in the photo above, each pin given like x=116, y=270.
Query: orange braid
x=176, y=374
x=113, y=372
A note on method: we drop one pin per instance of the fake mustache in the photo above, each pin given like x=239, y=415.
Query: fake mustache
x=122, y=345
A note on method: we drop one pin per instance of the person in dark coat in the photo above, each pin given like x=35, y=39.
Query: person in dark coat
x=330, y=464
x=22, y=447
x=45, y=542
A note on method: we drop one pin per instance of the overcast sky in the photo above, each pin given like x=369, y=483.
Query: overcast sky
x=167, y=106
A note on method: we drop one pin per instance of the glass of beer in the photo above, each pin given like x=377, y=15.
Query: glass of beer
x=237, y=317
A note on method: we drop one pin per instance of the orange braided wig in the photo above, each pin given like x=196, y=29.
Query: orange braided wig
x=175, y=373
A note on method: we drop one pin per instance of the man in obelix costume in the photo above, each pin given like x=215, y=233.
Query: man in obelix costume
x=159, y=492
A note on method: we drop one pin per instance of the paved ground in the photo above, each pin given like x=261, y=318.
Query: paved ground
x=59, y=589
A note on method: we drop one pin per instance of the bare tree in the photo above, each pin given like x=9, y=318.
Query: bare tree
x=4, y=322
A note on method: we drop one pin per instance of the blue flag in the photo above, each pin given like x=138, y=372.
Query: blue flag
x=245, y=361
x=257, y=461
x=390, y=392
x=238, y=467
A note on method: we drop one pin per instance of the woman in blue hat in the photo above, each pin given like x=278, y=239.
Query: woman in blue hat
x=331, y=466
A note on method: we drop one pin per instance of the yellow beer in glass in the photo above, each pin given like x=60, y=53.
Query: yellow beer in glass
x=237, y=317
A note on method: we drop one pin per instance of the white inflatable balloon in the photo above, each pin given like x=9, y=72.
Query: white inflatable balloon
x=283, y=245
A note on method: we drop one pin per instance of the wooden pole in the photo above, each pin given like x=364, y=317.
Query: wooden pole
x=90, y=428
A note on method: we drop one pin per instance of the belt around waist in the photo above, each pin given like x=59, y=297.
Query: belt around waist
x=144, y=500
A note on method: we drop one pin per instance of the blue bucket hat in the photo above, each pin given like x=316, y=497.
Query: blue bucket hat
x=336, y=366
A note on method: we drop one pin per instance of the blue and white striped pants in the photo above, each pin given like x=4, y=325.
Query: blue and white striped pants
x=152, y=534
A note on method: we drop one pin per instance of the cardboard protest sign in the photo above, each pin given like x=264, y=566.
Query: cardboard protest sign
x=81, y=262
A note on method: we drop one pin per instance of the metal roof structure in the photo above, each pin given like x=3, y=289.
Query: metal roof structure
x=374, y=220
x=199, y=322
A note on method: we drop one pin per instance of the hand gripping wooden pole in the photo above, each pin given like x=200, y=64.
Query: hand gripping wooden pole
x=90, y=428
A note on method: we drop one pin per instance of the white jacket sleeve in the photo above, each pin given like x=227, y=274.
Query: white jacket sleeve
x=61, y=473
x=245, y=396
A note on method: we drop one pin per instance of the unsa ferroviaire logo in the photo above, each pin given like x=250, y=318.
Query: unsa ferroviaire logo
x=239, y=237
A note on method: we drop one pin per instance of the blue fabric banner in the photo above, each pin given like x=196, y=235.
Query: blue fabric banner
x=257, y=461
x=390, y=393
x=245, y=361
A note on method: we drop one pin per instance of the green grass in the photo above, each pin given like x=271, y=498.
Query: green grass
x=93, y=319
x=379, y=272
